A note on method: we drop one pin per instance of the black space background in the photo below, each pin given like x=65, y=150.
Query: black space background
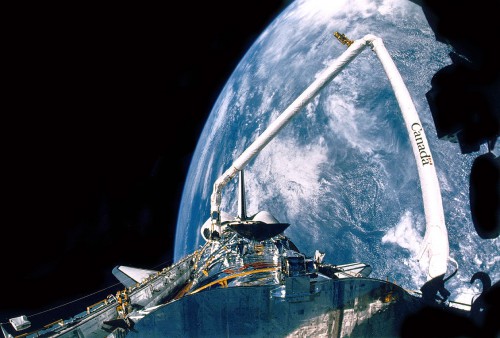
x=105, y=107
x=102, y=108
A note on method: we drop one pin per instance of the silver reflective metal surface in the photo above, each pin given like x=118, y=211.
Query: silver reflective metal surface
x=241, y=287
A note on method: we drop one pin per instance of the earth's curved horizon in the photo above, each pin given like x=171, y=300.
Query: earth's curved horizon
x=342, y=173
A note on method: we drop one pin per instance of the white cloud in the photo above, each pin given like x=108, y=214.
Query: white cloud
x=290, y=170
x=404, y=234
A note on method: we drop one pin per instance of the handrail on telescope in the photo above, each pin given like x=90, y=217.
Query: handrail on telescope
x=435, y=242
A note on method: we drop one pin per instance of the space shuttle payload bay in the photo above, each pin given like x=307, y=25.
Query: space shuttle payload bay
x=250, y=279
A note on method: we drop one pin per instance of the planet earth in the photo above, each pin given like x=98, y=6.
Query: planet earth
x=342, y=172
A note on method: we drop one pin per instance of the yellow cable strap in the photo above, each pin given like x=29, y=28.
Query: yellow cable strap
x=225, y=279
x=199, y=253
